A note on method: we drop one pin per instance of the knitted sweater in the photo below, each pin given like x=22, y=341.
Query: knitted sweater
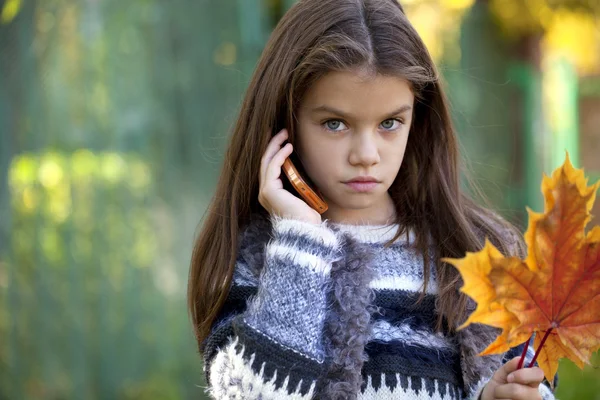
x=327, y=312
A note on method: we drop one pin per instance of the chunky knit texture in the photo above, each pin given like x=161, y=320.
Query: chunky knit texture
x=327, y=312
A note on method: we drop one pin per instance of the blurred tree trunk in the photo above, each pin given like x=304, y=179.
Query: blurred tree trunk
x=484, y=102
x=9, y=110
x=527, y=73
x=11, y=107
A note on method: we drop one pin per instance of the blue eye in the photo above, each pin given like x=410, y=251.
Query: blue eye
x=333, y=125
x=386, y=124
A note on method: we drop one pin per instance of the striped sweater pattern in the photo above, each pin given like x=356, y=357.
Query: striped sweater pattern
x=328, y=312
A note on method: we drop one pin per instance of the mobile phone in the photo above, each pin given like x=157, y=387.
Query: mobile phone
x=312, y=197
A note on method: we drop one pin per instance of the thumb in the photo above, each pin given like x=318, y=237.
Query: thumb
x=501, y=374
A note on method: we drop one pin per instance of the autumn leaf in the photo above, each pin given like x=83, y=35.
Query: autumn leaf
x=555, y=291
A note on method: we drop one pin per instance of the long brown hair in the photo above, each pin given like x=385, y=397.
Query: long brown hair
x=313, y=38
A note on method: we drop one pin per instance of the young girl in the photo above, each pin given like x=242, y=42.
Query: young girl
x=354, y=303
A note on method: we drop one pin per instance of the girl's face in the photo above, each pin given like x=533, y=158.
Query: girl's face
x=351, y=125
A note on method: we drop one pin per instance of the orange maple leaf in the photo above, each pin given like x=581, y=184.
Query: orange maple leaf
x=555, y=291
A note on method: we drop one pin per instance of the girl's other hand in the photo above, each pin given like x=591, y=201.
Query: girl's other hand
x=271, y=194
x=510, y=383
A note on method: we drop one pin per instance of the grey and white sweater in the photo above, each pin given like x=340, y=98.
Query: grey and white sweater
x=327, y=312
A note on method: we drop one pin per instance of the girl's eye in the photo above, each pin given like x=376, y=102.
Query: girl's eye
x=333, y=125
x=388, y=124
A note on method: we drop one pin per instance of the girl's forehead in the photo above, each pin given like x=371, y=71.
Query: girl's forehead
x=348, y=90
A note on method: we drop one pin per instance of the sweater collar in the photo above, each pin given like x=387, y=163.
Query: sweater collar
x=373, y=233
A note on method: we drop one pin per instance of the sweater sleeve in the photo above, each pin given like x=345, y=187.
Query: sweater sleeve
x=268, y=343
x=546, y=392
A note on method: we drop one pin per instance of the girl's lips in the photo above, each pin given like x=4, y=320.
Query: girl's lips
x=362, y=186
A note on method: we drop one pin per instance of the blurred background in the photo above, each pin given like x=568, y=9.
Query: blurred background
x=113, y=120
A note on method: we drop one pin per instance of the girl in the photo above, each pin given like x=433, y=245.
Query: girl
x=354, y=303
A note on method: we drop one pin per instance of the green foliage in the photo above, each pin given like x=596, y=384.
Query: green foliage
x=91, y=309
x=577, y=384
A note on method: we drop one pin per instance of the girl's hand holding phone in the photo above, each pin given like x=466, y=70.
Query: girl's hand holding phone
x=271, y=194
x=510, y=383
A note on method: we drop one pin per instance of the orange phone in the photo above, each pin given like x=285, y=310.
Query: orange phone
x=312, y=197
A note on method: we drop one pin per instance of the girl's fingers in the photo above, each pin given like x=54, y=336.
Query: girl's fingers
x=516, y=391
x=272, y=149
x=274, y=167
x=511, y=365
x=501, y=375
x=527, y=376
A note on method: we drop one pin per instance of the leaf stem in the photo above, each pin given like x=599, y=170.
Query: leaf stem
x=524, y=352
x=539, y=350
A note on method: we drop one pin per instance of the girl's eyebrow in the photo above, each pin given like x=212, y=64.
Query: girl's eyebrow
x=327, y=109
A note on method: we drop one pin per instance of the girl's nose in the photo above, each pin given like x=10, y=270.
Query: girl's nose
x=364, y=150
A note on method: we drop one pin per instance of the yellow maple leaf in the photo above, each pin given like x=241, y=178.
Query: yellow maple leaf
x=555, y=291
